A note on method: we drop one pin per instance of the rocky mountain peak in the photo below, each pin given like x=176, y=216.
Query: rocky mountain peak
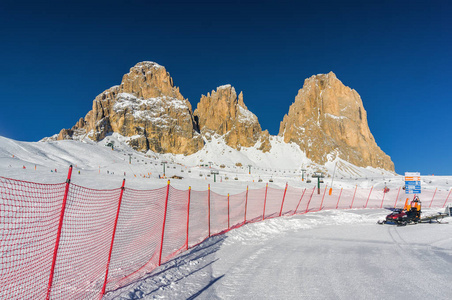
x=149, y=80
x=147, y=108
x=222, y=112
x=328, y=119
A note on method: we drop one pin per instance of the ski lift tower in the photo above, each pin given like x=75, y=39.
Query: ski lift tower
x=164, y=163
x=318, y=175
x=214, y=172
x=303, y=172
x=249, y=169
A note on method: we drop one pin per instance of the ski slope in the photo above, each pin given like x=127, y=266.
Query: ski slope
x=324, y=255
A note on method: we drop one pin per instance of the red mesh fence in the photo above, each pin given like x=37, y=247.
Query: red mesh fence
x=255, y=205
x=330, y=199
x=152, y=227
x=316, y=199
x=175, y=234
x=291, y=200
x=218, y=213
x=273, y=203
x=85, y=242
x=199, y=217
x=237, y=209
x=138, y=236
x=29, y=216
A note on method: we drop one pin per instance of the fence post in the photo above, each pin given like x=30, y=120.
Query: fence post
x=447, y=198
x=299, y=201
x=321, y=203
x=369, y=196
x=395, y=204
x=307, y=206
x=337, y=205
x=381, y=206
x=351, y=206
x=265, y=201
x=60, y=225
x=229, y=224
x=164, y=222
x=246, y=204
x=188, y=213
x=208, y=204
x=113, y=235
x=284, y=197
x=432, y=198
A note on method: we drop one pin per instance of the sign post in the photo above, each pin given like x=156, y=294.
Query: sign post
x=303, y=171
x=215, y=173
x=412, y=183
x=318, y=175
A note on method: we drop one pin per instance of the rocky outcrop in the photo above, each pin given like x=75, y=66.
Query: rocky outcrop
x=222, y=112
x=327, y=120
x=147, y=108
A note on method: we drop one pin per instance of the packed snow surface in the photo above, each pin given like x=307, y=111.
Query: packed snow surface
x=323, y=255
x=339, y=254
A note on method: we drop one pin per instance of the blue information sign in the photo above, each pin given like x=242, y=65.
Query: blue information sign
x=413, y=187
x=412, y=183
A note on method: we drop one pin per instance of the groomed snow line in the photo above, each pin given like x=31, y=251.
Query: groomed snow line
x=65, y=241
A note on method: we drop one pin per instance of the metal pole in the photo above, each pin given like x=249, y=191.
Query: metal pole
x=321, y=203
x=208, y=204
x=113, y=236
x=369, y=196
x=318, y=185
x=265, y=201
x=395, y=204
x=188, y=214
x=351, y=206
x=282, y=203
x=229, y=225
x=381, y=206
x=337, y=205
x=246, y=204
x=447, y=198
x=332, y=180
x=60, y=225
x=299, y=201
x=432, y=198
x=307, y=207
x=164, y=222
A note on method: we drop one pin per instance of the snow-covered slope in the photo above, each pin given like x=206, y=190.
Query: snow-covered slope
x=324, y=255
x=249, y=166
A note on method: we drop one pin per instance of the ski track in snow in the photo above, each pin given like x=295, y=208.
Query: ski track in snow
x=324, y=255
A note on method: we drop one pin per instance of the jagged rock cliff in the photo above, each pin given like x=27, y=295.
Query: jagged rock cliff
x=147, y=108
x=222, y=112
x=327, y=120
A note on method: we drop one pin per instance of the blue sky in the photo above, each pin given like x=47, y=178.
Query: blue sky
x=57, y=56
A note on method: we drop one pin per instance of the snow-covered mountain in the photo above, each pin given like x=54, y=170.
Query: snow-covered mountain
x=326, y=121
x=107, y=161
